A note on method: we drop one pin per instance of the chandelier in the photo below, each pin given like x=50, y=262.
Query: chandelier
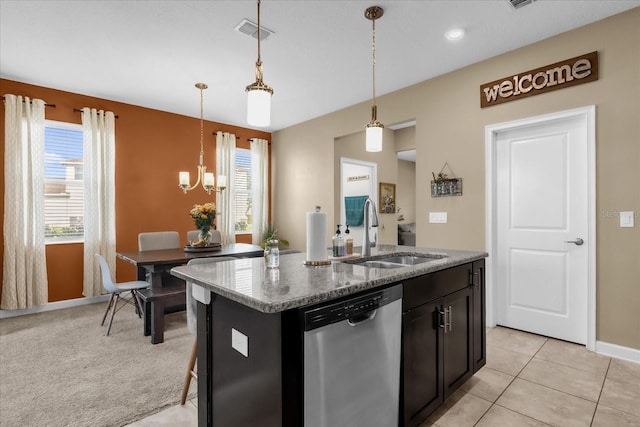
x=259, y=93
x=374, y=127
x=205, y=177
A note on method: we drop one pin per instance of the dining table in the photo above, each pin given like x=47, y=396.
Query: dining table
x=167, y=293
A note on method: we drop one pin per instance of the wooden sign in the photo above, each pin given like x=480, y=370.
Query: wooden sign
x=570, y=72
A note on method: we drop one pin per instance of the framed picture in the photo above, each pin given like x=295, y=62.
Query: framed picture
x=387, y=198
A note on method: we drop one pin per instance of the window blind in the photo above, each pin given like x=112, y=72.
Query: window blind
x=63, y=182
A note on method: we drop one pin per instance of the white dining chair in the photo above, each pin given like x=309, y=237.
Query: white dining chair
x=116, y=289
x=192, y=306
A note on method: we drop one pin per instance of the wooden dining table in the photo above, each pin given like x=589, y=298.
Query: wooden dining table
x=168, y=292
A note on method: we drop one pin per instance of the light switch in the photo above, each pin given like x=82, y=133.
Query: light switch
x=438, y=217
x=240, y=342
x=626, y=219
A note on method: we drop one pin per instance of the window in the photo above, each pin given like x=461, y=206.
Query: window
x=243, y=191
x=63, y=184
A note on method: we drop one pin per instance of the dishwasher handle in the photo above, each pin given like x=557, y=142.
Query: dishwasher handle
x=362, y=318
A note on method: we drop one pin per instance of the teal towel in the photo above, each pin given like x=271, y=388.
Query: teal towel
x=354, y=209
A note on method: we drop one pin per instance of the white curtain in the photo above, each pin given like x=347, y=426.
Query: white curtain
x=99, y=198
x=226, y=204
x=24, y=280
x=259, y=188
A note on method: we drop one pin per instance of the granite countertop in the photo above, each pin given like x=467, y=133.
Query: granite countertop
x=293, y=284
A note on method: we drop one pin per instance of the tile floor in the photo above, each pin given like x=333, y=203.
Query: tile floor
x=529, y=380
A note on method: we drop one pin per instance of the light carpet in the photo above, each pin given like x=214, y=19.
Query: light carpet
x=58, y=368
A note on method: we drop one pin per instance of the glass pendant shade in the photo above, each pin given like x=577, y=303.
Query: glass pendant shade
x=258, y=107
x=374, y=137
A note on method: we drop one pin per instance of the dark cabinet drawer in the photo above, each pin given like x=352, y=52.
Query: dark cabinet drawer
x=422, y=289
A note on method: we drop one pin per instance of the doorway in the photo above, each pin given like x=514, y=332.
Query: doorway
x=541, y=225
x=357, y=178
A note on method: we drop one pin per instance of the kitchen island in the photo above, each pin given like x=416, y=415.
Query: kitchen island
x=251, y=330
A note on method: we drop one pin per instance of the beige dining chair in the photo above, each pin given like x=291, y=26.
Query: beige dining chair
x=192, y=306
x=116, y=289
x=157, y=240
x=194, y=236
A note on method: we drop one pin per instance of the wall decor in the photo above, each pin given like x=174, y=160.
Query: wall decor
x=358, y=178
x=570, y=72
x=387, y=198
x=445, y=185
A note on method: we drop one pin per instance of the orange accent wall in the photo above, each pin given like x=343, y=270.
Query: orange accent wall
x=64, y=271
x=152, y=146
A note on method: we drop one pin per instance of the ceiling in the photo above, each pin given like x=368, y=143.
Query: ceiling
x=151, y=53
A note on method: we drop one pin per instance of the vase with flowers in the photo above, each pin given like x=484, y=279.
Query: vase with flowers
x=204, y=217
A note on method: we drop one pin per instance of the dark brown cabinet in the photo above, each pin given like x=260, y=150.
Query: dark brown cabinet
x=422, y=363
x=457, y=345
x=479, y=315
x=441, y=322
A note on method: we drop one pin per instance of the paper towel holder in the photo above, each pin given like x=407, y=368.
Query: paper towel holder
x=316, y=263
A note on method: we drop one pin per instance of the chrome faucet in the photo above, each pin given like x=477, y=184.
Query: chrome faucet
x=369, y=209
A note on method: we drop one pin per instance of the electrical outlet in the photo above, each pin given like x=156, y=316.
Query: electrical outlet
x=240, y=342
x=438, y=217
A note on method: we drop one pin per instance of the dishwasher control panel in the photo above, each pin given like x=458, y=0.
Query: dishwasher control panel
x=350, y=308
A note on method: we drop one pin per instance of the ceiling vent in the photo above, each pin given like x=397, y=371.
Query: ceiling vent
x=251, y=29
x=517, y=4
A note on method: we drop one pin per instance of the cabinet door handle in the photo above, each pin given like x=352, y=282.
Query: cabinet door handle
x=473, y=276
x=450, y=318
x=446, y=319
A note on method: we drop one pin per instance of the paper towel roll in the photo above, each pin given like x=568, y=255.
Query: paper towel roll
x=316, y=236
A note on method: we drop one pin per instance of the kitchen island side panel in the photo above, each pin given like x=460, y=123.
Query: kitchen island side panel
x=246, y=389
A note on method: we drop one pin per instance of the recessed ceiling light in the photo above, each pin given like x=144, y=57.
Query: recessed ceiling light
x=455, y=34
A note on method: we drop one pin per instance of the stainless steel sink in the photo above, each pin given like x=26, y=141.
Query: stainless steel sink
x=407, y=259
x=382, y=264
x=394, y=261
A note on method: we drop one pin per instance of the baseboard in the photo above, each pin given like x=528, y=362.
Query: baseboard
x=618, y=351
x=58, y=305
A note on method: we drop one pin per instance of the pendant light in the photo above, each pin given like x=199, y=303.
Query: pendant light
x=203, y=176
x=259, y=94
x=374, y=127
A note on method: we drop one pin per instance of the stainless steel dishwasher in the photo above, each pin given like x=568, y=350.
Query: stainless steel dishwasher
x=352, y=361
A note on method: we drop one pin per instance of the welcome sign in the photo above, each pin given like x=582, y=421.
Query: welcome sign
x=570, y=72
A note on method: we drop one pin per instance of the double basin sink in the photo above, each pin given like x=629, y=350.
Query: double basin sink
x=396, y=260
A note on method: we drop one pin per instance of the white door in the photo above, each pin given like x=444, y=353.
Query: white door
x=542, y=228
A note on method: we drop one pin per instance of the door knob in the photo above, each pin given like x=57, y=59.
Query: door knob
x=577, y=242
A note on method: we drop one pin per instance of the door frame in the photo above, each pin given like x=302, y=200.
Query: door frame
x=491, y=136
